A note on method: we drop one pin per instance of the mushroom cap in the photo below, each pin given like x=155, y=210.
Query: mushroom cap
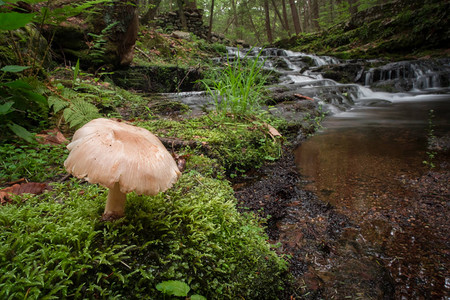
x=105, y=152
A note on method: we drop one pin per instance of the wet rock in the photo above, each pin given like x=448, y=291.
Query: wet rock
x=343, y=73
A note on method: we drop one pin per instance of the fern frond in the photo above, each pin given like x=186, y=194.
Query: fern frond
x=80, y=112
x=57, y=103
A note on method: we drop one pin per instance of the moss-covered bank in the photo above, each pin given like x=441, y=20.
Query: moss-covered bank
x=397, y=30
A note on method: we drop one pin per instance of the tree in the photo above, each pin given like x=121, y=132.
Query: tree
x=151, y=12
x=282, y=21
x=121, y=31
x=267, y=15
x=180, y=4
x=315, y=14
x=211, y=16
x=295, y=17
x=285, y=17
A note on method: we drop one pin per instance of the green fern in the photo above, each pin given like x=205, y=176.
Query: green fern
x=80, y=112
x=57, y=103
x=76, y=111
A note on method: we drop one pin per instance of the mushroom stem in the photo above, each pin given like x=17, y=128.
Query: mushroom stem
x=115, y=205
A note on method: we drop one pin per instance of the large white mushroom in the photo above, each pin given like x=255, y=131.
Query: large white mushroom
x=123, y=158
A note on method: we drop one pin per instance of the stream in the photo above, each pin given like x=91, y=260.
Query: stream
x=367, y=164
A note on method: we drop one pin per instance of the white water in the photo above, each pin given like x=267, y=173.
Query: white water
x=300, y=73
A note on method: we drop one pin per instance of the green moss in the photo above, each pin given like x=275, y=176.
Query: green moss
x=54, y=245
x=237, y=144
x=35, y=162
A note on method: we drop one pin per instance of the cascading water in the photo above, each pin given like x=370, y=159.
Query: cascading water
x=301, y=73
x=413, y=75
x=368, y=165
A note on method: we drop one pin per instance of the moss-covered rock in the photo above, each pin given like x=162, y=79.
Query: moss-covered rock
x=159, y=79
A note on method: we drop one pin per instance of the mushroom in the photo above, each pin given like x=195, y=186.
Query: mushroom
x=123, y=158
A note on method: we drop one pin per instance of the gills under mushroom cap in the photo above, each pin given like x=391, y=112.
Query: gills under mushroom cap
x=108, y=152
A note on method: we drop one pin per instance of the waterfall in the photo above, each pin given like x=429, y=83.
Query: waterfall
x=306, y=75
x=301, y=73
x=414, y=75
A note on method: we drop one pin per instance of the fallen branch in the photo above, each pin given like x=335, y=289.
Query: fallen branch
x=176, y=143
x=143, y=53
x=300, y=96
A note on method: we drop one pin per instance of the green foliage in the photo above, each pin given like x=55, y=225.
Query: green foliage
x=14, y=20
x=174, y=288
x=76, y=110
x=333, y=13
x=393, y=29
x=22, y=105
x=237, y=89
x=33, y=161
x=46, y=247
x=97, y=52
x=14, y=68
x=177, y=288
x=53, y=245
x=314, y=120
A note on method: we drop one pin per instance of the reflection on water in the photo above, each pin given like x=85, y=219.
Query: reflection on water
x=359, y=164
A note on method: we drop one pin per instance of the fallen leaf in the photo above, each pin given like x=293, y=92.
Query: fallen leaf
x=272, y=131
x=17, y=189
x=51, y=137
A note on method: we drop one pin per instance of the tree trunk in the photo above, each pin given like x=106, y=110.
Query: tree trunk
x=295, y=17
x=151, y=13
x=121, y=38
x=279, y=16
x=181, y=15
x=285, y=17
x=211, y=17
x=307, y=17
x=302, y=28
x=258, y=38
x=315, y=14
x=267, y=15
x=235, y=18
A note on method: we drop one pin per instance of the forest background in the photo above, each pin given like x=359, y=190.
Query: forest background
x=265, y=21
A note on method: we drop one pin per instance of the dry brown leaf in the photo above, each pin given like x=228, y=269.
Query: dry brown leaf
x=51, y=137
x=17, y=189
x=272, y=131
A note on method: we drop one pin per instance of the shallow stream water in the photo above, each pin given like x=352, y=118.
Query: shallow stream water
x=363, y=164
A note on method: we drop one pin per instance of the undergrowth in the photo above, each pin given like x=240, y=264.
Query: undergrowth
x=54, y=246
x=238, y=87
